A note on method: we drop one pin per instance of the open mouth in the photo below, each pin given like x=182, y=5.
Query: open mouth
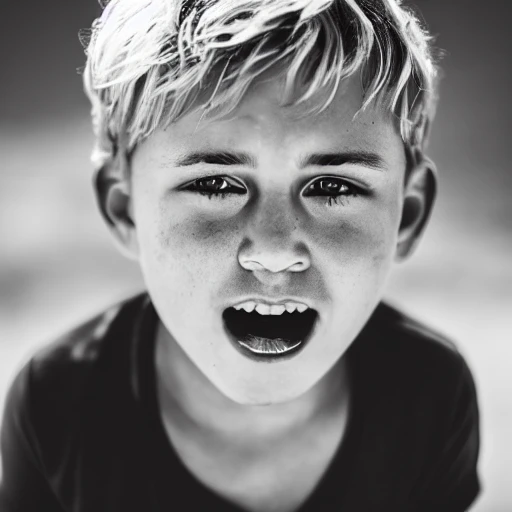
x=269, y=336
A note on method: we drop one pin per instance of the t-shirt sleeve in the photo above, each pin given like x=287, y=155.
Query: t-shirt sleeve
x=23, y=486
x=453, y=483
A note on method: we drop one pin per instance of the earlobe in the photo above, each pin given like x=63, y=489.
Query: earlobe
x=114, y=200
x=419, y=196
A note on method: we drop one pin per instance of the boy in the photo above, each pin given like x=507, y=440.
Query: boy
x=264, y=162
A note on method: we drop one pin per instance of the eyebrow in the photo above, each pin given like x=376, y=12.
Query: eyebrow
x=364, y=158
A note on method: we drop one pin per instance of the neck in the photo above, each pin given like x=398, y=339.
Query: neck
x=197, y=405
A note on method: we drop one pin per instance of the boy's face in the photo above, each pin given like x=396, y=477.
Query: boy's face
x=278, y=238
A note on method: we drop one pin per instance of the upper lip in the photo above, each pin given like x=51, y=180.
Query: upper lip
x=273, y=302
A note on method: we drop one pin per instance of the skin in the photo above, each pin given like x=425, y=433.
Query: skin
x=200, y=255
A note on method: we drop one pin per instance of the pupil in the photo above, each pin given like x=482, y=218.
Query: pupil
x=214, y=183
x=328, y=185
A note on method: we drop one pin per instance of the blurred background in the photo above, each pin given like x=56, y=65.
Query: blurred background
x=58, y=264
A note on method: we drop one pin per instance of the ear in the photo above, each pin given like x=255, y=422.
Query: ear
x=113, y=195
x=419, y=196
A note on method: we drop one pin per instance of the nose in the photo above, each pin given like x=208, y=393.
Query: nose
x=273, y=244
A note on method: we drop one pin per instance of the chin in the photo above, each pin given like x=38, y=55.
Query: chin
x=263, y=397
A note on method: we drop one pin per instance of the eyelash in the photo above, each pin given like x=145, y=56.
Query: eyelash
x=351, y=190
x=211, y=193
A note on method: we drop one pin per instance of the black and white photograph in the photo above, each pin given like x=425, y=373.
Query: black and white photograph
x=255, y=256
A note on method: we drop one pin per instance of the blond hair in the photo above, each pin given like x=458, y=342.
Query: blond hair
x=148, y=60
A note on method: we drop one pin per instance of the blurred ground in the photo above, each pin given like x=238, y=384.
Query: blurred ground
x=58, y=264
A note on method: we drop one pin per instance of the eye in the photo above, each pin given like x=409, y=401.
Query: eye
x=215, y=186
x=335, y=189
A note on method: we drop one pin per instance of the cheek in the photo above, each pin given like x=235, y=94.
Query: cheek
x=361, y=247
x=195, y=236
x=356, y=259
x=183, y=246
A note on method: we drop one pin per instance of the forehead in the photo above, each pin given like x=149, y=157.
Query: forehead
x=261, y=120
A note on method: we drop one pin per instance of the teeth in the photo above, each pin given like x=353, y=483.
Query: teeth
x=246, y=306
x=265, y=309
x=277, y=310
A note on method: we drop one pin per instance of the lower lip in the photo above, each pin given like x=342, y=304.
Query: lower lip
x=270, y=357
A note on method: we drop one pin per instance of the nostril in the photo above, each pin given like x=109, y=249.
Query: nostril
x=298, y=267
x=252, y=265
x=275, y=257
x=275, y=266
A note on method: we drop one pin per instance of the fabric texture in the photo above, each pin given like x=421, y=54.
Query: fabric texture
x=81, y=430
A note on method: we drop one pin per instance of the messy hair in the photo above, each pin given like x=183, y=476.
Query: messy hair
x=149, y=60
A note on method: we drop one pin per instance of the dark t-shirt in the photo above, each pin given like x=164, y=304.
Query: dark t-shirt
x=82, y=432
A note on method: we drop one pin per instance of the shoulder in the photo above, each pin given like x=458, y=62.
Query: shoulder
x=52, y=393
x=418, y=394
x=408, y=362
x=437, y=405
x=72, y=362
x=68, y=405
x=410, y=346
